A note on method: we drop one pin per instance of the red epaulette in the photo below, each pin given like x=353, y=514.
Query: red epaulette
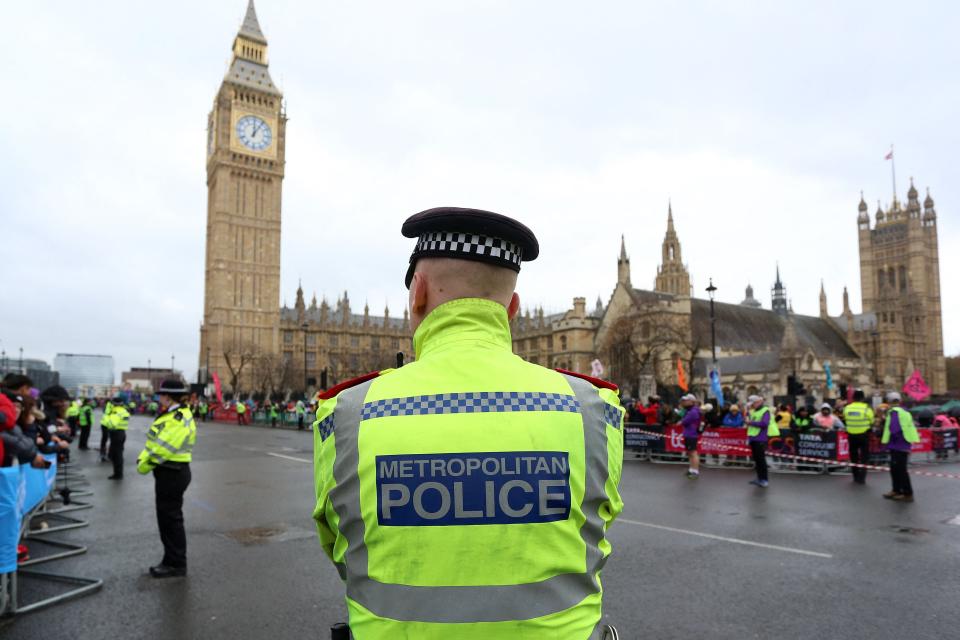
x=597, y=382
x=334, y=390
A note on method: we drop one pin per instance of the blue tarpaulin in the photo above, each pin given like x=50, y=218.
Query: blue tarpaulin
x=21, y=489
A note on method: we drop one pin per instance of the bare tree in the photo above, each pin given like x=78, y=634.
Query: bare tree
x=648, y=340
x=272, y=373
x=238, y=355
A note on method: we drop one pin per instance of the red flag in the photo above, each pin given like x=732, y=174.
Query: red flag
x=681, y=376
x=216, y=385
x=889, y=156
x=915, y=387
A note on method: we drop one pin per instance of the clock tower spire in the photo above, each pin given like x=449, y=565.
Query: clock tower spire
x=246, y=143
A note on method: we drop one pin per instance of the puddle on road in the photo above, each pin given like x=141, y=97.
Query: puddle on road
x=261, y=535
x=896, y=528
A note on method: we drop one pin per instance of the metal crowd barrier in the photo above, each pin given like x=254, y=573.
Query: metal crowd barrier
x=36, y=487
x=724, y=447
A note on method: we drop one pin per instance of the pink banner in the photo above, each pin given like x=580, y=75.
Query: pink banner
x=916, y=387
x=216, y=385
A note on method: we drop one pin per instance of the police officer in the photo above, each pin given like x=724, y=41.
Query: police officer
x=105, y=430
x=467, y=494
x=168, y=453
x=73, y=416
x=761, y=426
x=301, y=410
x=85, y=420
x=899, y=433
x=859, y=420
x=116, y=424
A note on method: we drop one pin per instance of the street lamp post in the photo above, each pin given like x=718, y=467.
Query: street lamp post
x=21, y=361
x=207, y=376
x=711, y=290
x=305, y=326
x=172, y=360
x=149, y=375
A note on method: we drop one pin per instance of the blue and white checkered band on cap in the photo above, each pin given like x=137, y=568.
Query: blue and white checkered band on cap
x=470, y=246
x=469, y=234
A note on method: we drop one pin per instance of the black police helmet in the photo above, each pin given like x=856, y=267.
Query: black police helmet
x=173, y=387
x=118, y=400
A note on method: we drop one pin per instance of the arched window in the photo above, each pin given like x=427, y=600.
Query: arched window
x=903, y=278
x=670, y=252
x=563, y=343
x=880, y=278
x=892, y=277
x=645, y=330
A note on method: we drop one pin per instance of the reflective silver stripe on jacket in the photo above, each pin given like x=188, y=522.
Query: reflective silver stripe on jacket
x=467, y=604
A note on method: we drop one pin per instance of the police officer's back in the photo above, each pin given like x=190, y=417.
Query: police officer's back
x=466, y=494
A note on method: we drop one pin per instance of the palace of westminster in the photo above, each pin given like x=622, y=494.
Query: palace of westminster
x=248, y=339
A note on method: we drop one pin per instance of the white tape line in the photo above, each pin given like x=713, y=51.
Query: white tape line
x=280, y=455
x=955, y=521
x=711, y=536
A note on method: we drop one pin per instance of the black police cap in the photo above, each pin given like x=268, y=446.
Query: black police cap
x=173, y=387
x=469, y=234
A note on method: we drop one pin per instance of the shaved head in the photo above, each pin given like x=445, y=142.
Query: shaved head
x=440, y=280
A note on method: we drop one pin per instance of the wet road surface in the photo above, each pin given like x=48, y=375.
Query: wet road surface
x=810, y=557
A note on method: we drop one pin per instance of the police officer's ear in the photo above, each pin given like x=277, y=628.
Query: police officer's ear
x=418, y=294
x=514, y=307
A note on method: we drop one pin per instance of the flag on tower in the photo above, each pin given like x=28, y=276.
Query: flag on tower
x=889, y=156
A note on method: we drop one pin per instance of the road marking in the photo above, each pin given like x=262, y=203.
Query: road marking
x=955, y=521
x=280, y=455
x=711, y=536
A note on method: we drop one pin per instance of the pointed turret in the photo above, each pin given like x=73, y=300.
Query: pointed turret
x=823, y=300
x=778, y=295
x=929, y=213
x=249, y=65
x=251, y=26
x=623, y=263
x=313, y=301
x=880, y=215
x=672, y=276
x=299, y=305
x=863, y=217
x=913, y=202
x=846, y=303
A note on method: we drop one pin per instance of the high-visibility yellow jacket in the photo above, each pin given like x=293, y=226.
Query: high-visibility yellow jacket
x=756, y=416
x=73, y=410
x=118, y=419
x=171, y=438
x=467, y=495
x=858, y=417
x=86, y=416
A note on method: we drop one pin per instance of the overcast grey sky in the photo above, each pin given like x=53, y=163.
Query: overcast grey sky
x=761, y=121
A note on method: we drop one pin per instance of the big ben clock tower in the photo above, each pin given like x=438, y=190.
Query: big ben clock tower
x=245, y=160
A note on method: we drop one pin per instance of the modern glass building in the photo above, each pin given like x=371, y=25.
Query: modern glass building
x=76, y=369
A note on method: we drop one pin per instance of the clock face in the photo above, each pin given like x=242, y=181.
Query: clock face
x=254, y=133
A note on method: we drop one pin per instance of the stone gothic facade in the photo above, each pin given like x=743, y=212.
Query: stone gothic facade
x=644, y=336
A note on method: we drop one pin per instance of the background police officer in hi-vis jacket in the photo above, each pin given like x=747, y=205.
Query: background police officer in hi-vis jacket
x=467, y=494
